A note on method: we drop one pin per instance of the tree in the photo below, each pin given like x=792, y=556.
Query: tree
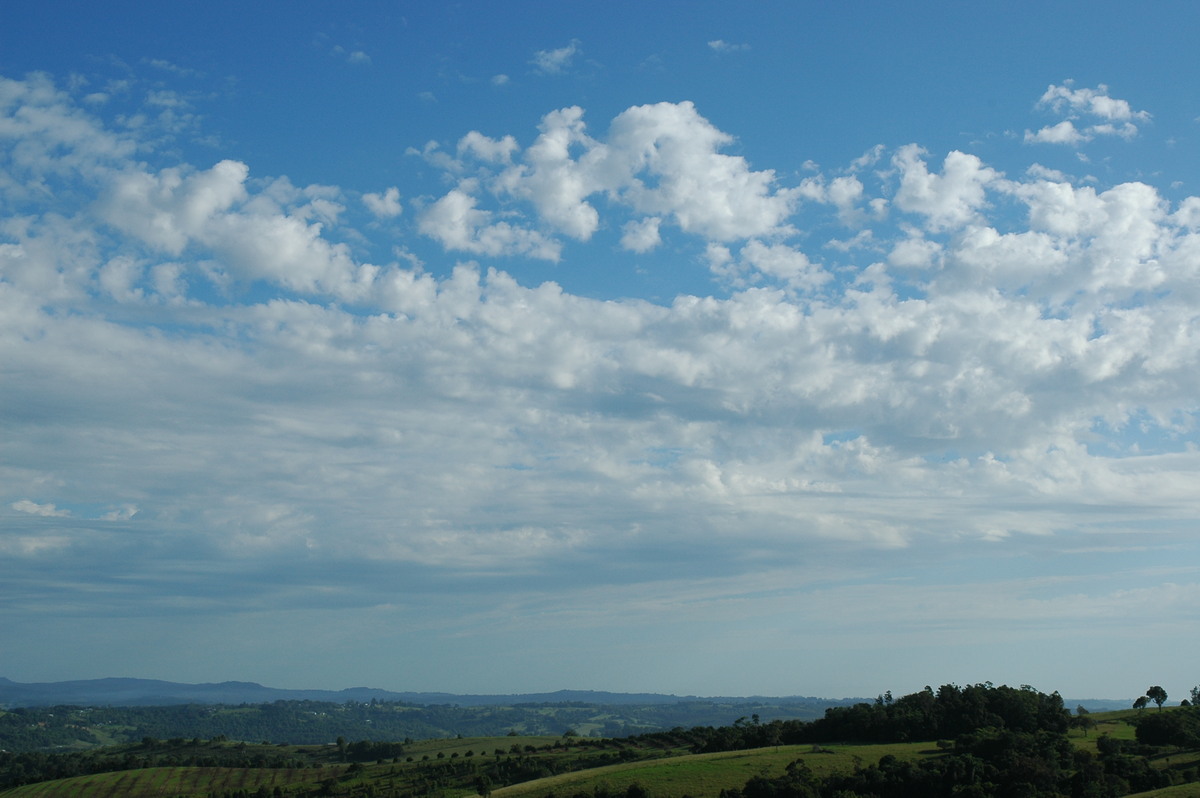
x=1141, y=702
x=1083, y=720
x=1157, y=695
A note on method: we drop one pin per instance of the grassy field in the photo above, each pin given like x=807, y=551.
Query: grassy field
x=677, y=774
x=180, y=782
x=422, y=761
x=705, y=775
x=1181, y=791
x=1117, y=725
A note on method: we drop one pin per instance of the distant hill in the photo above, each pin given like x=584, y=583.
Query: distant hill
x=153, y=692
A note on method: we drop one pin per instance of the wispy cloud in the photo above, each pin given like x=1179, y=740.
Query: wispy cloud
x=722, y=46
x=553, y=62
x=43, y=510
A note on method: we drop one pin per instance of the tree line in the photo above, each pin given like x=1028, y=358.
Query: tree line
x=306, y=722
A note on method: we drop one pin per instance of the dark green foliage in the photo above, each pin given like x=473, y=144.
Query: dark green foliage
x=946, y=714
x=1179, y=727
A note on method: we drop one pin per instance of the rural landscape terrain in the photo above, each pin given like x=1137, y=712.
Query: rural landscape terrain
x=974, y=740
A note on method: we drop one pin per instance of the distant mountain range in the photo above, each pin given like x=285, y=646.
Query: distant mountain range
x=153, y=692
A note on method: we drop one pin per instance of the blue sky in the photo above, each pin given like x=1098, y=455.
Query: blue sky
x=780, y=348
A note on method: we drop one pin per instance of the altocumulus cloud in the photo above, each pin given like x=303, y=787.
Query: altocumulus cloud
x=197, y=358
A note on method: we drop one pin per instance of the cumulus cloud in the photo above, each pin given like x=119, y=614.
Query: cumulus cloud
x=169, y=209
x=641, y=235
x=705, y=191
x=780, y=263
x=1064, y=132
x=264, y=236
x=456, y=223
x=477, y=145
x=386, y=205
x=662, y=162
x=1094, y=102
x=1117, y=116
x=946, y=200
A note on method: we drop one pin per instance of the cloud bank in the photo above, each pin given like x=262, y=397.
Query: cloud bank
x=203, y=375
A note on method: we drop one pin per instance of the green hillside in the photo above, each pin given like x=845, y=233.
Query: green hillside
x=705, y=775
x=672, y=774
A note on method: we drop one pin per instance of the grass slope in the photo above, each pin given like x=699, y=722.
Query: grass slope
x=1180, y=791
x=178, y=782
x=424, y=763
x=705, y=775
x=675, y=773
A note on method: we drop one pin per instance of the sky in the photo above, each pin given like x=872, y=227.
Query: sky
x=773, y=348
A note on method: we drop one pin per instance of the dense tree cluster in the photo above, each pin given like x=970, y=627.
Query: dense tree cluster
x=1179, y=728
x=928, y=715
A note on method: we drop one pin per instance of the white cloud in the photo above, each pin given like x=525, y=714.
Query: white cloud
x=43, y=510
x=553, y=62
x=914, y=252
x=1040, y=172
x=1076, y=103
x=641, y=235
x=119, y=277
x=556, y=184
x=350, y=56
x=122, y=513
x=722, y=46
x=386, y=205
x=949, y=199
x=483, y=148
x=779, y=262
x=1062, y=133
x=1094, y=102
x=46, y=135
x=170, y=209
x=456, y=223
x=708, y=193
x=658, y=161
x=252, y=237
